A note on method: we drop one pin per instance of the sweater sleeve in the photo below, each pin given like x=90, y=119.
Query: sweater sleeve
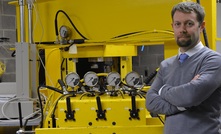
x=196, y=91
x=154, y=102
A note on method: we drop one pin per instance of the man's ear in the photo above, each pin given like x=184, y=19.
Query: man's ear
x=202, y=26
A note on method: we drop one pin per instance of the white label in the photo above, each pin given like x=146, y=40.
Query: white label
x=73, y=49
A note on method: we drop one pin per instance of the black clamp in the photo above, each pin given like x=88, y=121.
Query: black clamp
x=69, y=113
x=134, y=111
x=100, y=112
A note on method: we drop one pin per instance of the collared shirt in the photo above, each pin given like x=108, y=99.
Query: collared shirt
x=193, y=50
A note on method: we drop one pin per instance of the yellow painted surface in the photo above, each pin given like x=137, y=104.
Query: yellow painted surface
x=211, y=20
x=117, y=117
x=98, y=130
x=117, y=112
x=125, y=66
x=103, y=21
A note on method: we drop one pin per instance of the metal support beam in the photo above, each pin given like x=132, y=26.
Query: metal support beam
x=22, y=70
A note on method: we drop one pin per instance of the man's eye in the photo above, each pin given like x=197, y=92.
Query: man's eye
x=189, y=24
x=176, y=24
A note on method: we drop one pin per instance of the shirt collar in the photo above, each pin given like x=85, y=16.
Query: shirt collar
x=193, y=50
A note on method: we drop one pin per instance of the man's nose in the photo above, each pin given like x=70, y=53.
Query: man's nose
x=183, y=29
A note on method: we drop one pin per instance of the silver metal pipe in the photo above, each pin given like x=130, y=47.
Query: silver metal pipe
x=30, y=23
x=22, y=20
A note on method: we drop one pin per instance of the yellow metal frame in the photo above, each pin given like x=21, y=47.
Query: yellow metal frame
x=154, y=129
x=2, y=68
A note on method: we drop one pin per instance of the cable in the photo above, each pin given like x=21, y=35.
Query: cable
x=86, y=93
x=41, y=107
x=52, y=110
x=56, y=24
x=204, y=32
x=141, y=95
x=13, y=99
x=156, y=115
x=151, y=76
x=40, y=101
x=121, y=93
x=123, y=35
x=142, y=33
x=61, y=67
x=38, y=18
x=42, y=35
x=56, y=102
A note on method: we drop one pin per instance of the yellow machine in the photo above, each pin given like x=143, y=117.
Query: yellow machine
x=110, y=100
x=2, y=68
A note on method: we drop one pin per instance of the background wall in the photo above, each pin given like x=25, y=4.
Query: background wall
x=7, y=29
x=148, y=59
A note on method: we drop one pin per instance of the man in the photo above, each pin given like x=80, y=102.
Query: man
x=188, y=92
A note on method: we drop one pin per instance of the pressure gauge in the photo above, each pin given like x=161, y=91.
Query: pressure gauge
x=113, y=79
x=132, y=78
x=65, y=31
x=90, y=79
x=72, y=79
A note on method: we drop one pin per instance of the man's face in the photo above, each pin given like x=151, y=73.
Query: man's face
x=186, y=29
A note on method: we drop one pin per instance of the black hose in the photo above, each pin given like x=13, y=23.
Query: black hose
x=205, y=38
x=204, y=32
x=123, y=35
x=150, y=77
x=13, y=54
x=40, y=103
x=61, y=67
x=45, y=42
x=56, y=24
x=20, y=114
x=41, y=107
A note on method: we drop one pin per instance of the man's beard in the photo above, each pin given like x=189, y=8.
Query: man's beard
x=184, y=43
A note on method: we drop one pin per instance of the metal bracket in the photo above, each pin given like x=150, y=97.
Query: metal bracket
x=134, y=111
x=100, y=112
x=69, y=112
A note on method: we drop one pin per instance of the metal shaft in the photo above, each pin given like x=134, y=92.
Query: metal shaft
x=22, y=20
x=30, y=22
